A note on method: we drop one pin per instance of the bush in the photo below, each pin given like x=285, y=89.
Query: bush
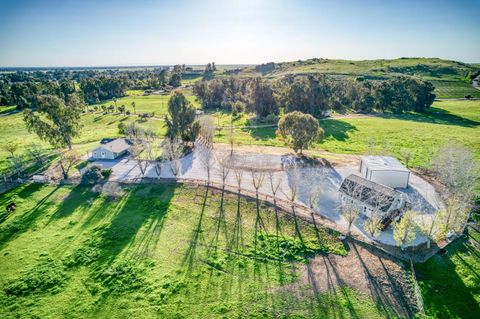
x=92, y=175
x=49, y=276
x=271, y=119
x=121, y=128
x=238, y=107
x=106, y=173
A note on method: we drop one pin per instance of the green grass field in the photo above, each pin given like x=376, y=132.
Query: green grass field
x=454, y=89
x=421, y=134
x=450, y=285
x=159, y=251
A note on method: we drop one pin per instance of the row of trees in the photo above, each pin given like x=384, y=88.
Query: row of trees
x=316, y=94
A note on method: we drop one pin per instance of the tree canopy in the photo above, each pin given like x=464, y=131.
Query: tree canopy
x=181, y=116
x=55, y=121
x=299, y=130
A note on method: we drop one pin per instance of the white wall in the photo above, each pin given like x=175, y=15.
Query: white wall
x=97, y=153
x=394, y=179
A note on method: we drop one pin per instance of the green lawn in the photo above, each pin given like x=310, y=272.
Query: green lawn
x=450, y=285
x=454, y=89
x=159, y=251
x=421, y=134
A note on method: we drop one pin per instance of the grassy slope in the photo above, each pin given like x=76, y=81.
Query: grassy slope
x=183, y=257
x=447, y=76
x=451, y=285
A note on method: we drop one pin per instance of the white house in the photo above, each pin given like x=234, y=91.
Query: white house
x=384, y=170
x=111, y=150
x=371, y=198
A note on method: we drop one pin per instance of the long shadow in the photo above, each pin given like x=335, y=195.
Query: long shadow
x=337, y=129
x=375, y=287
x=79, y=196
x=262, y=133
x=434, y=115
x=27, y=220
x=143, y=206
x=190, y=255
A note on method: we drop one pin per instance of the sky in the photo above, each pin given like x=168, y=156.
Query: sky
x=122, y=32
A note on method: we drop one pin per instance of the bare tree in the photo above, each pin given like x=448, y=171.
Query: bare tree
x=456, y=167
x=207, y=129
x=231, y=137
x=455, y=215
x=68, y=158
x=238, y=170
x=207, y=158
x=274, y=182
x=225, y=165
x=405, y=231
x=372, y=225
x=173, y=152
x=136, y=151
x=407, y=156
x=258, y=177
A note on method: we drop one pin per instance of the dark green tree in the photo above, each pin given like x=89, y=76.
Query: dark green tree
x=299, y=130
x=181, y=116
x=55, y=121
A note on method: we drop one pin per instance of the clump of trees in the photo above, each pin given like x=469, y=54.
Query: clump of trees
x=316, y=94
x=95, y=90
x=181, y=118
x=299, y=130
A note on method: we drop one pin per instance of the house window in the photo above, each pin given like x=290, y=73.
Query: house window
x=103, y=154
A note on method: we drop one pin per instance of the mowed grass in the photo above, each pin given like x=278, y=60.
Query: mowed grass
x=160, y=251
x=146, y=104
x=95, y=127
x=419, y=134
x=450, y=285
x=454, y=89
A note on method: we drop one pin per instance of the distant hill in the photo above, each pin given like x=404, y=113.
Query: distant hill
x=452, y=79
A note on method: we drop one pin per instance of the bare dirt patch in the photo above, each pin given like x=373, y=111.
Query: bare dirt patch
x=370, y=272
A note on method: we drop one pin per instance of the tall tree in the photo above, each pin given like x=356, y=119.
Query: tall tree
x=405, y=231
x=181, y=116
x=55, y=122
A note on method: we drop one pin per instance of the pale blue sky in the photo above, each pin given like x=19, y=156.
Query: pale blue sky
x=104, y=32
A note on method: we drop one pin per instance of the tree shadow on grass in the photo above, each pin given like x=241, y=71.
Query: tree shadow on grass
x=141, y=207
x=262, y=133
x=22, y=223
x=434, y=115
x=444, y=292
x=336, y=129
x=79, y=196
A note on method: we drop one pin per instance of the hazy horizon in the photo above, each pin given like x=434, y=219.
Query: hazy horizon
x=55, y=33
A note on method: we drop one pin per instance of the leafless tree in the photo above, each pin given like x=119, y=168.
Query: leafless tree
x=225, y=162
x=407, y=156
x=136, y=151
x=207, y=129
x=206, y=156
x=68, y=159
x=35, y=152
x=173, y=152
x=457, y=168
x=231, y=137
x=294, y=181
x=238, y=169
x=258, y=176
x=274, y=182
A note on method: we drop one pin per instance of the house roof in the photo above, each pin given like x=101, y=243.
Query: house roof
x=383, y=163
x=117, y=146
x=368, y=192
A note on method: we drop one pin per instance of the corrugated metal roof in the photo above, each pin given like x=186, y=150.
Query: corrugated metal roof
x=383, y=163
x=368, y=192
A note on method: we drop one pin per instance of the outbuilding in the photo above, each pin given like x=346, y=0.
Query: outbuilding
x=384, y=170
x=111, y=150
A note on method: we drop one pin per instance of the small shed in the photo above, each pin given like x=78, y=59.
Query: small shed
x=384, y=170
x=111, y=150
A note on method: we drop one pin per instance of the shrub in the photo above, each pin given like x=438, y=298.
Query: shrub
x=271, y=119
x=238, y=107
x=92, y=175
x=49, y=276
x=121, y=128
x=84, y=255
x=106, y=173
x=122, y=276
